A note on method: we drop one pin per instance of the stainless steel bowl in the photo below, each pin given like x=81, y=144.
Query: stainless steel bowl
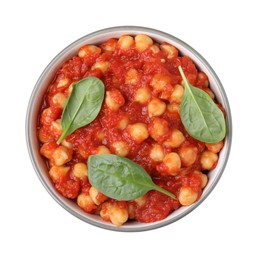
x=36, y=101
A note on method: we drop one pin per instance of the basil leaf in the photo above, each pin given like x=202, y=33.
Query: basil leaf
x=120, y=178
x=83, y=105
x=201, y=117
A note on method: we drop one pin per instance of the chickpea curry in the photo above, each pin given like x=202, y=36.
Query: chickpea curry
x=139, y=119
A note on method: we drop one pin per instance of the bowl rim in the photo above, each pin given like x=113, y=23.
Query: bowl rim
x=38, y=86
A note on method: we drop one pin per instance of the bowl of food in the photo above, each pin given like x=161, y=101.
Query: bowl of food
x=129, y=128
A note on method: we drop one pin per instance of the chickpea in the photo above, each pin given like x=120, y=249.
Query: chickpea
x=85, y=202
x=173, y=108
x=56, y=127
x=203, y=79
x=114, y=99
x=142, y=95
x=141, y=200
x=83, y=153
x=63, y=82
x=125, y=42
x=208, y=160
x=157, y=153
x=101, y=65
x=158, y=129
x=204, y=178
x=138, y=132
x=166, y=92
x=173, y=162
x=187, y=196
x=188, y=155
x=114, y=213
x=46, y=116
x=156, y=107
x=58, y=172
x=159, y=81
x=131, y=211
x=176, y=139
x=104, y=212
x=155, y=49
x=123, y=123
x=131, y=77
x=142, y=42
x=70, y=88
x=215, y=148
x=48, y=149
x=96, y=196
x=44, y=135
x=61, y=155
x=169, y=50
x=89, y=50
x=102, y=149
x=177, y=94
x=66, y=144
x=100, y=135
x=209, y=92
x=110, y=45
x=120, y=148
x=80, y=170
x=118, y=216
x=59, y=100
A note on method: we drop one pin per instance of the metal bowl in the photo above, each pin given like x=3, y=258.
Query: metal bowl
x=36, y=101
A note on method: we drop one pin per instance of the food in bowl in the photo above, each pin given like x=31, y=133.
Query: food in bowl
x=124, y=113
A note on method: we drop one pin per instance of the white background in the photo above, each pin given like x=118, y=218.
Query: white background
x=225, y=225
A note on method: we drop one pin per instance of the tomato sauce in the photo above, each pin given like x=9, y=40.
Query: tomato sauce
x=110, y=126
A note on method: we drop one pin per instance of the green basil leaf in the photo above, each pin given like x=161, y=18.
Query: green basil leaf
x=120, y=178
x=201, y=117
x=83, y=105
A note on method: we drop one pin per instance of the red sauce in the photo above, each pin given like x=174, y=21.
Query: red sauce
x=105, y=130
